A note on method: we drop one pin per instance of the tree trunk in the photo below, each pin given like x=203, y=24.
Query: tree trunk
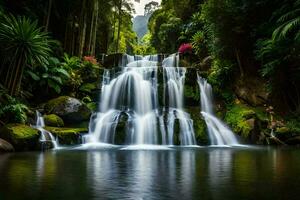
x=89, y=47
x=17, y=75
x=48, y=14
x=83, y=29
x=239, y=63
x=119, y=26
x=93, y=50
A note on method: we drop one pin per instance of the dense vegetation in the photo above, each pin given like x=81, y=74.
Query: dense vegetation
x=248, y=49
x=51, y=48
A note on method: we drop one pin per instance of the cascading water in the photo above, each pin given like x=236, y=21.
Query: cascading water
x=219, y=133
x=174, y=78
x=45, y=135
x=132, y=93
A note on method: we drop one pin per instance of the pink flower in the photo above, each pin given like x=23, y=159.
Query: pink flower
x=185, y=48
x=90, y=59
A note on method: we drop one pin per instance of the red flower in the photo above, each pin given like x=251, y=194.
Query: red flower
x=90, y=59
x=185, y=48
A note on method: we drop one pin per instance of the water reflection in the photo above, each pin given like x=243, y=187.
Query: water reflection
x=208, y=173
x=141, y=174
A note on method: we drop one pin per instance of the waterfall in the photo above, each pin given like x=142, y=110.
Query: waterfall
x=45, y=135
x=132, y=93
x=219, y=133
x=174, y=78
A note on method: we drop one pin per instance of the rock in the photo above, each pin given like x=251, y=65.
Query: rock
x=67, y=136
x=252, y=91
x=69, y=109
x=247, y=122
x=274, y=141
x=6, y=146
x=282, y=130
x=199, y=126
x=53, y=120
x=293, y=141
x=22, y=137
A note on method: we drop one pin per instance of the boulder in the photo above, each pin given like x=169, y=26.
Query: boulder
x=22, y=137
x=53, y=120
x=71, y=110
x=6, y=146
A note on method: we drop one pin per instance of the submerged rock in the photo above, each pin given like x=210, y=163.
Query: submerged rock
x=6, y=146
x=22, y=137
x=69, y=109
x=53, y=120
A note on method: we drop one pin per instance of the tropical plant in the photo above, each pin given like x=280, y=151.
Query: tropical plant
x=52, y=75
x=23, y=43
x=289, y=23
x=71, y=62
x=11, y=110
x=279, y=55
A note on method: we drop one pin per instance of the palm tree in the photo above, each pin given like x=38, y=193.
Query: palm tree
x=23, y=43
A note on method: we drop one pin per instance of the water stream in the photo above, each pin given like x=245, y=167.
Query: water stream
x=219, y=133
x=45, y=135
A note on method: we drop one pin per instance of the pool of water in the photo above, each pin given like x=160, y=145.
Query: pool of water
x=176, y=173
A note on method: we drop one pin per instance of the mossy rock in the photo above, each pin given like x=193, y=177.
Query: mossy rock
x=199, y=125
x=71, y=110
x=237, y=117
x=53, y=120
x=22, y=137
x=246, y=121
x=67, y=136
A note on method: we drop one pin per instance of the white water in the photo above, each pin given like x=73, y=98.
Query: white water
x=174, y=78
x=219, y=133
x=45, y=135
x=132, y=94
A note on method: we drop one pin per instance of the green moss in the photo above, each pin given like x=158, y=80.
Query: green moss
x=67, y=136
x=237, y=118
x=71, y=110
x=22, y=137
x=282, y=130
x=53, y=120
x=199, y=126
x=62, y=100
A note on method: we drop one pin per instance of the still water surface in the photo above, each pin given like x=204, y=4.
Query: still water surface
x=191, y=173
